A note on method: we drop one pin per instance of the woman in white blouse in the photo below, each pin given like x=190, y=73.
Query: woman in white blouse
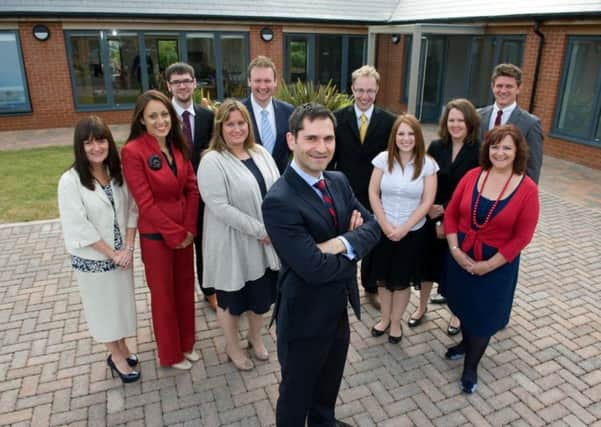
x=239, y=261
x=401, y=190
x=99, y=220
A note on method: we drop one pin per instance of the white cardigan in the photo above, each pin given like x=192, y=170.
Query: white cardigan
x=87, y=216
x=233, y=221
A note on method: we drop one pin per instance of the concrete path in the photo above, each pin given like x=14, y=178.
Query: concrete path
x=543, y=369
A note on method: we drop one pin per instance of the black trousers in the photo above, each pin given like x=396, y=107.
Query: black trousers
x=311, y=375
x=198, y=250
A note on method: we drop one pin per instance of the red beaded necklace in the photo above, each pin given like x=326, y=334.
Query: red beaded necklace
x=494, y=205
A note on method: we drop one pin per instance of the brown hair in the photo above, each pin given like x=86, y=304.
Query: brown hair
x=262, y=62
x=217, y=142
x=175, y=137
x=494, y=136
x=178, y=68
x=309, y=111
x=507, y=70
x=419, y=150
x=470, y=115
x=93, y=127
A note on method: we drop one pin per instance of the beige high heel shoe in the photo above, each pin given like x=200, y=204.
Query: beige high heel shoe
x=243, y=365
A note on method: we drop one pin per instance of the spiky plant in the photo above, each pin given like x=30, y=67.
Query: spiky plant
x=302, y=92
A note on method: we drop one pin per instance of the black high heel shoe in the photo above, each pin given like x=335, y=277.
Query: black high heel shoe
x=128, y=377
x=132, y=360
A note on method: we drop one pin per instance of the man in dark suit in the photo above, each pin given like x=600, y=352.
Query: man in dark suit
x=197, y=124
x=269, y=116
x=505, y=82
x=361, y=134
x=319, y=230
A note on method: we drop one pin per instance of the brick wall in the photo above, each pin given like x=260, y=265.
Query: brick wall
x=273, y=49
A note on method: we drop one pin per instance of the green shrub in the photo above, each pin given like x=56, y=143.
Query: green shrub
x=300, y=93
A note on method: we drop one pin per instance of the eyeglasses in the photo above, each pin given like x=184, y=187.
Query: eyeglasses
x=181, y=82
x=370, y=92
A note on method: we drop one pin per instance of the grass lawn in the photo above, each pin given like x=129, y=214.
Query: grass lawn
x=28, y=182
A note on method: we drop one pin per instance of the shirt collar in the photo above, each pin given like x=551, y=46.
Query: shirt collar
x=179, y=110
x=309, y=179
x=367, y=113
x=507, y=110
x=257, y=108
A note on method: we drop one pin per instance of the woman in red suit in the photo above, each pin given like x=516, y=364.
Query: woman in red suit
x=162, y=181
x=489, y=220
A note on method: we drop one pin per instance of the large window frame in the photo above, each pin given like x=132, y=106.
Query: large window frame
x=311, y=55
x=182, y=48
x=20, y=107
x=590, y=139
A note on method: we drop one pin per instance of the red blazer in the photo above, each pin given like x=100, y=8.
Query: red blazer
x=509, y=231
x=167, y=204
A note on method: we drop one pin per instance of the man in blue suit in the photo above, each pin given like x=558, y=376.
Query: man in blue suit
x=319, y=230
x=505, y=83
x=269, y=116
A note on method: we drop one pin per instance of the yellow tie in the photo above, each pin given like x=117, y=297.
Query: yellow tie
x=363, y=128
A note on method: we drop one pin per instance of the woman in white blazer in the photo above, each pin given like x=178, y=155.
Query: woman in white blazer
x=239, y=260
x=99, y=220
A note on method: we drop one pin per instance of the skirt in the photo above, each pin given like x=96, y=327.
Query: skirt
x=256, y=295
x=398, y=265
x=109, y=303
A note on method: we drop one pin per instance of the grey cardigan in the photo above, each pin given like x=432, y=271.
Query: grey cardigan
x=233, y=222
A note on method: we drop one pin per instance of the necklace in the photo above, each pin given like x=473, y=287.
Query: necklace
x=494, y=205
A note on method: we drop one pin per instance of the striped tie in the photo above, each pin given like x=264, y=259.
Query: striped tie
x=325, y=194
x=267, y=136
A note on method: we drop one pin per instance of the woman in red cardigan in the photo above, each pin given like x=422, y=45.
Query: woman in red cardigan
x=489, y=220
x=161, y=179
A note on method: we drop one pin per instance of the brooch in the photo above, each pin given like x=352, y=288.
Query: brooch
x=155, y=162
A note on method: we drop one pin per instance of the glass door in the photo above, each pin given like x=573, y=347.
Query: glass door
x=432, y=77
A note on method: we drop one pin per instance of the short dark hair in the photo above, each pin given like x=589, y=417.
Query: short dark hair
x=507, y=70
x=179, y=68
x=93, y=127
x=494, y=136
x=470, y=115
x=311, y=111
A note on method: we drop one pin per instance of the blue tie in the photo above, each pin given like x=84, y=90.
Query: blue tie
x=267, y=136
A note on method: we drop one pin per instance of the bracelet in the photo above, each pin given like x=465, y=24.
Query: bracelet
x=454, y=247
x=130, y=248
x=438, y=223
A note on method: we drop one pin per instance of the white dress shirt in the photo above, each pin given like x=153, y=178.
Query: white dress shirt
x=504, y=118
x=180, y=111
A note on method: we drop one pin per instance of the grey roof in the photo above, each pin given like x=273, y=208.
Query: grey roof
x=356, y=11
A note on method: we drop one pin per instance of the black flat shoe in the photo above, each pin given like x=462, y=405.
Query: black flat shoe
x=395, y=340
x=416, y=322
x=438, y=299
x=468, y=387
x=132, y=360
x=128, y=377
x=455, y=353
x=339, y=423
x=452, y=330
x=378, y=333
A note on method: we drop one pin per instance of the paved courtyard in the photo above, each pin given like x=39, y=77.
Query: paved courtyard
x=543, y=369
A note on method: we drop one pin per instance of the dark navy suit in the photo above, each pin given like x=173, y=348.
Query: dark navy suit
x=313, y=292
x=282, y=112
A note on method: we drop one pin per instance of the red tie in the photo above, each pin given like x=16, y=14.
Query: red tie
x=498, y=118
x=187, y=128
x=325, y=194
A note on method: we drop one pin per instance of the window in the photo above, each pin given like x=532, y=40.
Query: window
x=408, y=41
x=578, y=111
x=488, y=51
x=110, y=69
x=321, y=58
x=14, y=96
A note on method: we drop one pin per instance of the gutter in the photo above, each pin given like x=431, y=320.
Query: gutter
x=541, y=45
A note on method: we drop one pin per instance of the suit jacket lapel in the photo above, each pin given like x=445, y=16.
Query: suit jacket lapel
x=486, y=112
x=373, y=124
x=99, y=192
x=515, y=116
x=309, y=195
x=249, y=107
x=351, y=119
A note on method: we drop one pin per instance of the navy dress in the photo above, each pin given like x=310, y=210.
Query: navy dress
x=482, y=303
x=256, y=295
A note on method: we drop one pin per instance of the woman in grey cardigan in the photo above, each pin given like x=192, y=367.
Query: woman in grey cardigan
x=239, y=261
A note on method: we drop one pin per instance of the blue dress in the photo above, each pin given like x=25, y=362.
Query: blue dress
x=482, y=303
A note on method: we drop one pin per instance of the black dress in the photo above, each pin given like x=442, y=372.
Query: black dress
x=448, y=176
x=256, y=295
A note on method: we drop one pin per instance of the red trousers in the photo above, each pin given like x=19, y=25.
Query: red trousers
x=170, y=278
